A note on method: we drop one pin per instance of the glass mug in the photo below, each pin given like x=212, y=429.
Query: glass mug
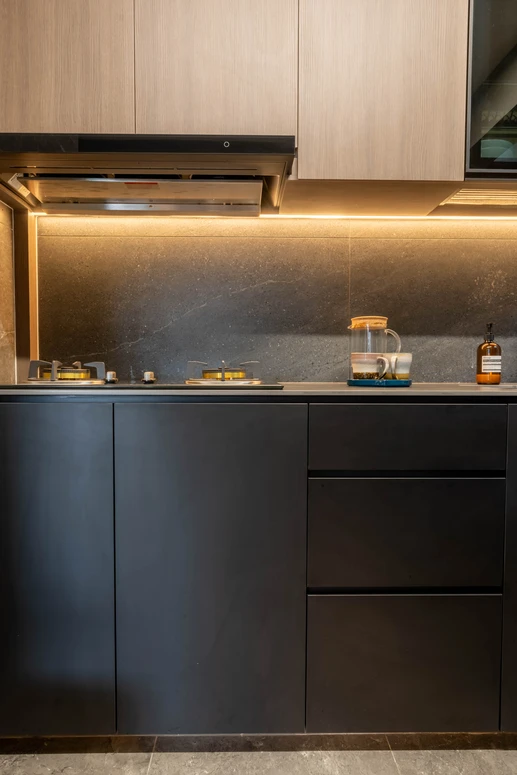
x=369, y=365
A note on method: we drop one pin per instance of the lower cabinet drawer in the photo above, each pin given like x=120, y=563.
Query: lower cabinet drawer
x=403, y=663
x=407, y=437
x=391, y=533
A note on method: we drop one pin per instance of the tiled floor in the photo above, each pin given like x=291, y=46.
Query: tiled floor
x=375, y=762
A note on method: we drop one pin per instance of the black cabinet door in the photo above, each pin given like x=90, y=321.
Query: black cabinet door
x=407, y=437
x=403, y=663
x=210, y=557
x=509, y=672
x=57, y=649
x=493, y=91
x=406, y=532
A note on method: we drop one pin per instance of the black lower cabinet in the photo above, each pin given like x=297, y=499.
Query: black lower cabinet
x=210, y=557
x=426, y=533
x=57, y=647
x=420, y=437
x=403, y=663
x=509, y=672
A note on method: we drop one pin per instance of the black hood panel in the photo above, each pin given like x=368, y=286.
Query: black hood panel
x=143, y=144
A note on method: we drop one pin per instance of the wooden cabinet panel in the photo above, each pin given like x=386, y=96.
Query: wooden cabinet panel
x=407, y=437
x=216, y=66
x=406, y=533
x=382, y=89
x=211, y=569
x=57, y=650
x=67, y=66
x=403, y=663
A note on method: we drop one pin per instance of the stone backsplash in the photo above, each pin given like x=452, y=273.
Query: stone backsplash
x=7, y=353
x=153, y=293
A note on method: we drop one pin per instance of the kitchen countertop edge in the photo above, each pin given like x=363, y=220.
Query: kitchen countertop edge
x=309, y=390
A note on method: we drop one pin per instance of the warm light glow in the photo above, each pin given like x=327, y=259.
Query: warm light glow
x=307, y=217
x=271, y=216
x=483, y=196
x=394, y=217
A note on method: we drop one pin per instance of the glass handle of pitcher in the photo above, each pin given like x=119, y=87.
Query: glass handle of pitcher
x=397, y=339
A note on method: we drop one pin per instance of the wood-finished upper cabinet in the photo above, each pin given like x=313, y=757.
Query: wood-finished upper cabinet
x=382, y=89
x=67, y=66
x=216, y=66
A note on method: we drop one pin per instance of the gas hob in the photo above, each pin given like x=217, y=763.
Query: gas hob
x=53, y=375
x=155, y=386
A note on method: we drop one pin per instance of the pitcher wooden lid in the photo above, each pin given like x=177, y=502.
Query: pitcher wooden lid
x=369, y=321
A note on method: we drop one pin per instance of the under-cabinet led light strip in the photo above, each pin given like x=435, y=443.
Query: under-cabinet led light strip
x=270, y=216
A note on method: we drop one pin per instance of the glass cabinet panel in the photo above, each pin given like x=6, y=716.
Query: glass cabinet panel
x=493, y=87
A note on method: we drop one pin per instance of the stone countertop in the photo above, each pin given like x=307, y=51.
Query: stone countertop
x=417, y=388
x=299, y=390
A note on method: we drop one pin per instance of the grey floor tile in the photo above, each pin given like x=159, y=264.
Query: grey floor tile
x=452, y=741
x=275, y=763
x=83, y=744
x=76, y=764
x=456, y=762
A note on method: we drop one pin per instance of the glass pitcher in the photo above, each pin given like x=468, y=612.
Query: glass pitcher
x=369, y=334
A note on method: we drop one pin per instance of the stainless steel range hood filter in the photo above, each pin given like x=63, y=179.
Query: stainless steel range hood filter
x=77, y=195
x=66, y=174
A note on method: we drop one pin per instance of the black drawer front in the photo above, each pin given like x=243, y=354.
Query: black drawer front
x=368, y=533
x=407, y=437
x=403, y=663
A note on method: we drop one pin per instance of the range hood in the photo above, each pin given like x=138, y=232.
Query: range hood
x=215, y=176
x=153, y=174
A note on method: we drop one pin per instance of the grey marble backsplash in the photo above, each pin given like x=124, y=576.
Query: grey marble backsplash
x=153, y=293
x=7, y=349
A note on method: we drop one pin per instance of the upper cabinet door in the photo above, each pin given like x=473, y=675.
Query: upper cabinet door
x=382, y=89
x=216, y=66
x=493, y=87
x=67, y=66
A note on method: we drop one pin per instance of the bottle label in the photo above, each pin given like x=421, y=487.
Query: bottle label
x=491, y=364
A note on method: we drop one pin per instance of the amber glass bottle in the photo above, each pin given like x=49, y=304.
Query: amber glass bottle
x=488, y=371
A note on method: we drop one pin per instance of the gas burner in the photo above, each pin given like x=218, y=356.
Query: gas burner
x=245, y=374
x=52, y=374
x=49, y=373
